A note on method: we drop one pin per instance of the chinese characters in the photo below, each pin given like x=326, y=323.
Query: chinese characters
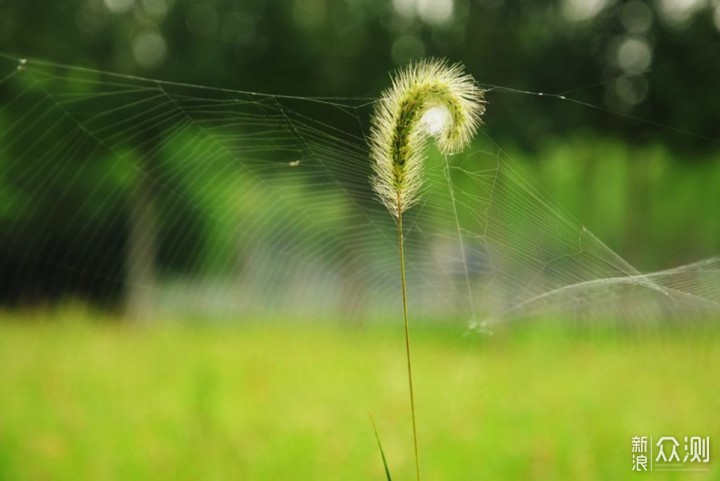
x=667, y=453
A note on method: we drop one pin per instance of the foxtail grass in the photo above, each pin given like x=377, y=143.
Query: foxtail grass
x=430, y=98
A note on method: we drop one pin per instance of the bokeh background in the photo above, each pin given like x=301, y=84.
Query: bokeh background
x=127, y=347
x=632, y=165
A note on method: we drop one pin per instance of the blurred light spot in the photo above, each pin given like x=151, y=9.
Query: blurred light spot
x=436, y=119
x=634, y=54
x=631, y=90
x=436, y=12
x=406, y=48
x=433, y=12
x=678, y=13
x=92, y=16
x=309, y=14
x=406, y=8
x=716, y=16
x=119, y=6
x=636, y=17
x=396, y=23
x=149, y=49
x=583, y=10
x=156, y=8
x=202, y=20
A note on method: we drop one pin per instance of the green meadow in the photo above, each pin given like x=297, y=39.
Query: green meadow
x=84, y=400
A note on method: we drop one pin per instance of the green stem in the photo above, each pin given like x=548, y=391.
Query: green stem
x=407, y=336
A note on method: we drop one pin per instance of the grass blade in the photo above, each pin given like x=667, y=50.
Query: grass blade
x=382, y=453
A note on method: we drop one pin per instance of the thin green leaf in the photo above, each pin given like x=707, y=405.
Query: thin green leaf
x=382, y=453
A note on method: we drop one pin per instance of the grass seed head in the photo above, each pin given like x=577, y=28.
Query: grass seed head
x=427, y=98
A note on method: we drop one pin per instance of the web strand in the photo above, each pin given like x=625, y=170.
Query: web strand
x=266, y=210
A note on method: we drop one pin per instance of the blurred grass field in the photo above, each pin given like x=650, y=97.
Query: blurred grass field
x=84, y=400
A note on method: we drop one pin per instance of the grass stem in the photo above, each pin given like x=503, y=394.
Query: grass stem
x=407, y=335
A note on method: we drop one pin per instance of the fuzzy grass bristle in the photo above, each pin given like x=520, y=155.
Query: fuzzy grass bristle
x=399, y=130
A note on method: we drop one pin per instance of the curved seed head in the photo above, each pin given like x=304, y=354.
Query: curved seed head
x=427, y=98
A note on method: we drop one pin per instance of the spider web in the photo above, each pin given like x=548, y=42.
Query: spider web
x=259, y=206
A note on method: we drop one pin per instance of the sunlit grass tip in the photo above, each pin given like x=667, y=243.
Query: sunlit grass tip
x=429, y=98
